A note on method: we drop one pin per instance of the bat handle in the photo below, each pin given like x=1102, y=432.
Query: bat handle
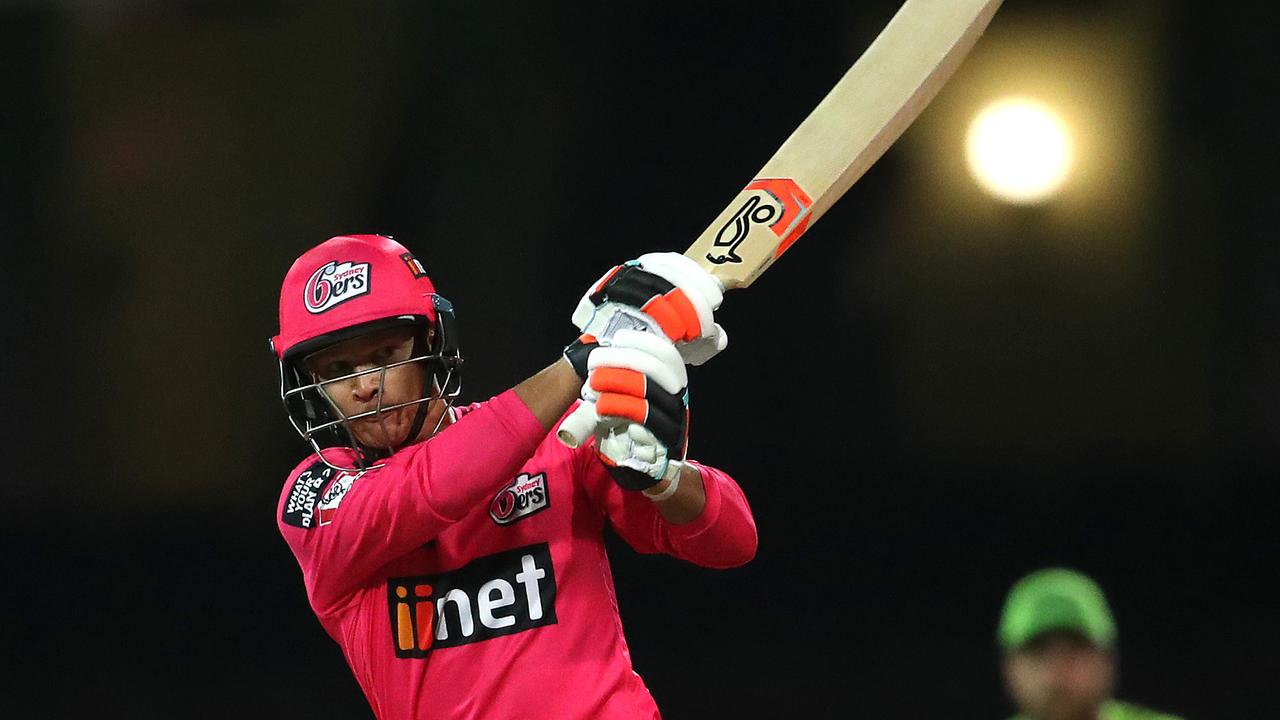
x=578, y=426
x=719, y=283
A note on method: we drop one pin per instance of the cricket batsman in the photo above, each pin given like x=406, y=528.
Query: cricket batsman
x=455, y=553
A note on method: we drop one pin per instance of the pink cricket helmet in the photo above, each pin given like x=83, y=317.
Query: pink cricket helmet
x=344, y=283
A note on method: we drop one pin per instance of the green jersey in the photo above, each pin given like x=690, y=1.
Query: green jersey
x=1116, y=710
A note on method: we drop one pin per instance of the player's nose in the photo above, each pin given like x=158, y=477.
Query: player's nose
x=368, y=385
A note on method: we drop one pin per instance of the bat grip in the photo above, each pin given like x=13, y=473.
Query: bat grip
x=578, y=426
x=719, y=284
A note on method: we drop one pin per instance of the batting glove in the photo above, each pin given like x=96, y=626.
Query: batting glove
x=664, y=293
x=635, y=458
x=635, y=402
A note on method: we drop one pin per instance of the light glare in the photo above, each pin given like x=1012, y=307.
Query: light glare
x=1019, y=150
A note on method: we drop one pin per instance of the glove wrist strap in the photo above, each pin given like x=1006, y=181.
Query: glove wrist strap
x=576, y=354
x=672, y=476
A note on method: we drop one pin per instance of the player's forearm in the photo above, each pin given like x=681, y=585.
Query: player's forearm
x=549, y=394
x=688, y=501
x=723, y=533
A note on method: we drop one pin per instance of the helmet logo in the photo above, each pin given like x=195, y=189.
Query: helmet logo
x=333, y=283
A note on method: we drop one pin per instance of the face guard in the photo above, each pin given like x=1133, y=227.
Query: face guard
x=320, y=421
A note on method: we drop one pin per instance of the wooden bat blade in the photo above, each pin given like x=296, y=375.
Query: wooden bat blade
x=866, y=111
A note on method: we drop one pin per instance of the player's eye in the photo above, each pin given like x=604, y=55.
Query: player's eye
x=386, y=354
x=335, y=369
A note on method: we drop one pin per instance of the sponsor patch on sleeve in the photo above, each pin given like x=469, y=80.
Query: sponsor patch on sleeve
x=300, y=507
x=333, y=496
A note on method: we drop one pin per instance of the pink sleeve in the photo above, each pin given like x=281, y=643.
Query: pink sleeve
x=722, y=536
x=421, y=491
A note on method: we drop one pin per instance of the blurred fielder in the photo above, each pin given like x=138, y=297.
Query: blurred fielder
x=1059, y=644
x=456, y=554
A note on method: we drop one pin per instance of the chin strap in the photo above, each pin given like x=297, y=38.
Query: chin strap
x=419, y=418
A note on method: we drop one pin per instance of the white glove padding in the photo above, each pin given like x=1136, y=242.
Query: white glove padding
x=664, y=293
x=703, y=349
x=637, y=388
x=686, y=274
x=631, y=446
x=639, y=377
x=653, y=357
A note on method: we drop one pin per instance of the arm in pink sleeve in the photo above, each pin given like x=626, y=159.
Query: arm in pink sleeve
x=722, y=536
x=419, y=492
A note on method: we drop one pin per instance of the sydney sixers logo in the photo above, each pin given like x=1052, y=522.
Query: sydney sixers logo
x=781, y=204
x=522, y=497
x=333, y=283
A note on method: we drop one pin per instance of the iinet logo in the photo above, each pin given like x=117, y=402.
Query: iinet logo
x=489, y=597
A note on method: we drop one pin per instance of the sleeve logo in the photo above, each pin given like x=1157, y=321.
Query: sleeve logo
x=300, y=507
x=522, y=497
x=333, y=283
x=333, y=496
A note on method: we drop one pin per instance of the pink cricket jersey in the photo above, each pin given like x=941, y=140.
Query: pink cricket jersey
x=467, y=578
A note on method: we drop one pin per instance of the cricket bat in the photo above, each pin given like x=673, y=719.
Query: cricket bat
x=867, y=110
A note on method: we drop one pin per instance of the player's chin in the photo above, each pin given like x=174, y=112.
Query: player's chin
x=1067, y=708
x=385, y=432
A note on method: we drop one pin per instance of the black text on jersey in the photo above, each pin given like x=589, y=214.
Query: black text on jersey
x=489, y=597
x=299, y=507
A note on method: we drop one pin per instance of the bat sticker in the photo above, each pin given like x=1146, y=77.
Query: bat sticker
x=781, y=204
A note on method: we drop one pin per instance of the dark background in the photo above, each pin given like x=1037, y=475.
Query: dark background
x=919, y=410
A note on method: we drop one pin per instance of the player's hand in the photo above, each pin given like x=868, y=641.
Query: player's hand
x=635, y=458
x=638, y=389
x=639, y=381
x=665, y=293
